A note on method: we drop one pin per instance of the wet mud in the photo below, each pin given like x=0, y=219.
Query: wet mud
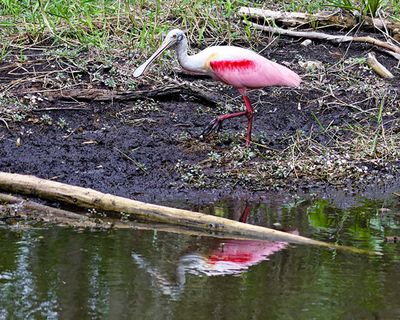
x=149, y=150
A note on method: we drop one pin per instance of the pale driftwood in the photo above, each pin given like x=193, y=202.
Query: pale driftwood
x=328, y=37
x=324, y=18
x=377, y=67
x=94, y=94
x=90, y=198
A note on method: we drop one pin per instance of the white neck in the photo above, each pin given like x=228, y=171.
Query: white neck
x=181, y=51
x=189, y=63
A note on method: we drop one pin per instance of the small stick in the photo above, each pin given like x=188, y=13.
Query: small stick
x=377, y=67
x=137, y=163
x=323, y=19
x=33, y=206
x=5, y=123
x=328, y=37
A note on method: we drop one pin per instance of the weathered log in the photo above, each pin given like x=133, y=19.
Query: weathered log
x=8, y=198
x=94, y=94
x=89, y=198
x=35, y=210
x=323, y=18
x=328, y=37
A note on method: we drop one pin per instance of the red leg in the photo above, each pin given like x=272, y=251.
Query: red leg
x=231, y=115
x=216, y=123
x=249, y=113
x=245, y=214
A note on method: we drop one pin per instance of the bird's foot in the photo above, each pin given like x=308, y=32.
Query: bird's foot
x=214, y=125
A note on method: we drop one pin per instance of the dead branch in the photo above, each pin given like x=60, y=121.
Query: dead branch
x=5, y=123
x=324, y=18
x=31, y=205
x=89, y=198
x=30, y=208
x=377, y=67
x=328, y=37
x=94, y=94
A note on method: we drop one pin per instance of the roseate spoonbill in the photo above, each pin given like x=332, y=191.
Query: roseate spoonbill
x=242, y=68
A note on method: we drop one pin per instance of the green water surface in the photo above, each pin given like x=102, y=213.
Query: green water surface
x=61, y=273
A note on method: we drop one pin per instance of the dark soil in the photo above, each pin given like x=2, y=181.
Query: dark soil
x=149, y=150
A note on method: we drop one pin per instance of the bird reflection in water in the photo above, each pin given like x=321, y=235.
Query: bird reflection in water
x=228, y=257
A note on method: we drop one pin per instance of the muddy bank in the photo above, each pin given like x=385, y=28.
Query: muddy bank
x=318, y=139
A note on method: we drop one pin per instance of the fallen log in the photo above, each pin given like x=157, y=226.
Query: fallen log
x=31, y=209
x=30, y=205
x=89, y=198
x=323, y=18
x=104, y=95
x=328, y=37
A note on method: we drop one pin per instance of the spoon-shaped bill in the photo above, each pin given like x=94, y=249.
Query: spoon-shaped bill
x=141, y=69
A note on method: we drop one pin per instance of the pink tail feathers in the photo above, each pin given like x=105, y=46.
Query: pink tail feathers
x=277, y=74
x=292, y=79
x=284, y=76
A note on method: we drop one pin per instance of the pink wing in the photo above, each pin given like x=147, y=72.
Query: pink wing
x=254, y=72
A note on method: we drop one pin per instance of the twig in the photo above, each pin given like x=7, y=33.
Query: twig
x=324, y=18
x=345, y=103
x=137, y=163
x=393, y=54
x=60, y=108
x=5, y=123
x=328, y=37
x=377, y=67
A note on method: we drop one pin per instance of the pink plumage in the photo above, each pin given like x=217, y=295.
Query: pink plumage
x=243, y=68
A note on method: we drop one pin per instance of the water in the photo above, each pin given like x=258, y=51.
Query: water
x=58, y=273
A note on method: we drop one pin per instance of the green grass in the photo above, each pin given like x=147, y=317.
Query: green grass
x=366, y=8
x=109, y=24
x=112, y=30
x=308, y=6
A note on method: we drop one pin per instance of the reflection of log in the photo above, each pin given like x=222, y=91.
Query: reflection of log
x=89, y=198
x=36, y=211
x=390, y=48
x=340, y=19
